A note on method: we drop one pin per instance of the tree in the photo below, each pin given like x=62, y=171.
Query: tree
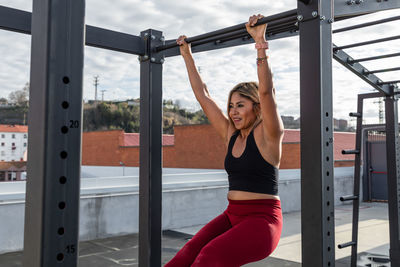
x=20, y=97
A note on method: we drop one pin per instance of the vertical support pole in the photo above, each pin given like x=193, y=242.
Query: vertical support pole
x=55, y=116
x=150, y=184
x=393, y=176
x=357, y=178
x=317, y=192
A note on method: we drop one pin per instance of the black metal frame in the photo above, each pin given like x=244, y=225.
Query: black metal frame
x=53, y=188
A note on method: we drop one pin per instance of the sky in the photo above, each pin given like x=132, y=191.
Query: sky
x=220, y=69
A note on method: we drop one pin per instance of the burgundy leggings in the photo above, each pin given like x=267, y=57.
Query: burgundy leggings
x=247, y=231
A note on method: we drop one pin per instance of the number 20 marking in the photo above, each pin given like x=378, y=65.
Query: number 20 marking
x=74, y=124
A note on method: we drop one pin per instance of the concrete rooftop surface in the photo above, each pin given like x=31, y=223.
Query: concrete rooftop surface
x=373, y=242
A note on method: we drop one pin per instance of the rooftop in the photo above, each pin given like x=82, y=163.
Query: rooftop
x=123, y=250
x=11, y=128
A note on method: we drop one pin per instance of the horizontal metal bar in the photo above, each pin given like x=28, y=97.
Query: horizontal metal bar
x=376, y=57
x=366, y=24
x=226, y=43
x=348, y=244
x=244, y=34
x=20, y=21
x=116, y=41
x=241, y=26
x=347, y=198
x=382, y=70
x=358, y=69
x=355, y=114
x=15, y=20
x=348, y=152
x=389, y=82
x=367, y=43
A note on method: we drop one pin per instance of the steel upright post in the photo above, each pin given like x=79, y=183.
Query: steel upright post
x=55, y=120
x=150, y=184
x=317, y=198
x=393, y=176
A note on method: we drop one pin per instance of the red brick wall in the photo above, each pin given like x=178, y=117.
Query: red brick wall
x=195, y=146
x=102, y=148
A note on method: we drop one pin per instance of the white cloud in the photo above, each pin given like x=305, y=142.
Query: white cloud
x=220, y=69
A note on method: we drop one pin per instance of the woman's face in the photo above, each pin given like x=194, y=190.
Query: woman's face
x=241, y=111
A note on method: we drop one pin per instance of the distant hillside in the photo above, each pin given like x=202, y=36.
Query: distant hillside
x=125, y=115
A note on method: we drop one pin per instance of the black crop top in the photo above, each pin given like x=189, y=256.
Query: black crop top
x=250, y=172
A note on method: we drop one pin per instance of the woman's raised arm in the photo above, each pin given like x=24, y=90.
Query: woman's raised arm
x=214, y=114
x=272, y=122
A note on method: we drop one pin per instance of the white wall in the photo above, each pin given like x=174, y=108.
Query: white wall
x=6, y=151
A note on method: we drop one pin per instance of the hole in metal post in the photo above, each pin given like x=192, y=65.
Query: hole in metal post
x=329, y=233
x=327, y=158
x=64, y=129
x=327, y=173
x=63, y=154
x=63, y=180
x=61, y=205
x=61, y=231
x=327, y=128
x=65, y=80
x=60, y=256
x=327, y=114
x=327, y=188
x=328, y=203
x=65, y=104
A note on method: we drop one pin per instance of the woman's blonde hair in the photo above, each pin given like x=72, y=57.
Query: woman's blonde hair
x=250, y=91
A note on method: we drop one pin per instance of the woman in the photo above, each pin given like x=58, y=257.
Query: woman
x=250, y=228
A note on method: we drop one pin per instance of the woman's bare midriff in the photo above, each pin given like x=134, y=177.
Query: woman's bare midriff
x=243, y=195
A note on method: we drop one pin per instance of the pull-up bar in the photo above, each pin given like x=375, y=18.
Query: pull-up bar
x=237, y=28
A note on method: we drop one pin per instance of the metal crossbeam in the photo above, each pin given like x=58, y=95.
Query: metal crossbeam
x=362, y=72
x=20, y=21
x=351, y=8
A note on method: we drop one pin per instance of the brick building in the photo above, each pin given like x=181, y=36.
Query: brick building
x=193, y=146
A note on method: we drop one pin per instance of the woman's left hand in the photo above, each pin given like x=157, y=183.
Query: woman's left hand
x=258, y=32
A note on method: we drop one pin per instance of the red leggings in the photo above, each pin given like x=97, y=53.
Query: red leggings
x=247, y=231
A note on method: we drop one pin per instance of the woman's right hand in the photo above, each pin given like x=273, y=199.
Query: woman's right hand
x=184, y=47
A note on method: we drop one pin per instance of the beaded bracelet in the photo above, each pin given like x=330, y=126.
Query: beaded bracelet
x=261, y=60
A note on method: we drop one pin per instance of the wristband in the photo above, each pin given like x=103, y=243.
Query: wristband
x=263, y=45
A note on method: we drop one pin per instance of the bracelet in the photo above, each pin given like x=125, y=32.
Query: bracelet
x=263, y=45
x=261, y=60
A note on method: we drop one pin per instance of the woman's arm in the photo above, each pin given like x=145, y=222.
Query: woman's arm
x=272, y=122
x=214, y=114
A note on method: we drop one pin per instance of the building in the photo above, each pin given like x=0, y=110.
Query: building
x=12, y=171
x=13, y=142
x=193, y=146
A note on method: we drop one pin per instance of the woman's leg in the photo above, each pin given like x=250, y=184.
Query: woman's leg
x=186, y=256
x=251, y=240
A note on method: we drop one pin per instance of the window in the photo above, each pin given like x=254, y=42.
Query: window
x=2, y=144
x=3, y=136
x=25, y=136
x=3, y=153
x=24, y=144
x=13, y=136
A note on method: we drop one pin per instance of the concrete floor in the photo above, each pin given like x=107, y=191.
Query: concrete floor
x=123, y=250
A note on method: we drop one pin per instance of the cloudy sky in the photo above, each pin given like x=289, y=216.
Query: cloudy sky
x=220, y=69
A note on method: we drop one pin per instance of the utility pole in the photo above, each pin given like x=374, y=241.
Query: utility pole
x=102, y=95
x=380, y=102
x=96, y=83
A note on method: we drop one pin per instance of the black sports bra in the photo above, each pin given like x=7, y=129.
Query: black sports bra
x=250, y=172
